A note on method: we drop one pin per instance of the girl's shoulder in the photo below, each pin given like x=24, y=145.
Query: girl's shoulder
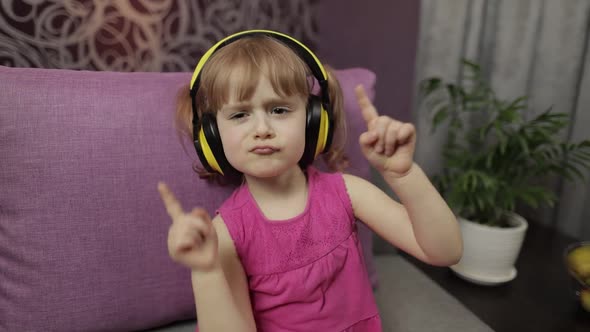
x=230, y=212
x=318, y=175
x=331, y=189
x=333, y=180
x=237, y=199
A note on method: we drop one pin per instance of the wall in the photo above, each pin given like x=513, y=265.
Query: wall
x=165, y=35
x=380, y=35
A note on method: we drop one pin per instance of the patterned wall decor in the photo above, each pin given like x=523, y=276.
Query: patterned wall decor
x=136, y=35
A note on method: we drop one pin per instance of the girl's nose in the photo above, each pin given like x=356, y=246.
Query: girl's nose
x=263, y=127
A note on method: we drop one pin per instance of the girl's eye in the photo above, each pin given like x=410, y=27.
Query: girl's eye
x=237, y=116
x=279, y=110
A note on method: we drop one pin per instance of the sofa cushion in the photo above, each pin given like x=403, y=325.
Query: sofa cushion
x=82, y=228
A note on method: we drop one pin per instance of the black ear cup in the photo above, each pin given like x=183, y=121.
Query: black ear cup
x=210, y=149
x=312, y=130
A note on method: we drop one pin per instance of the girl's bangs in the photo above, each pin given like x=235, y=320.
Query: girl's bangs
x=237, y=68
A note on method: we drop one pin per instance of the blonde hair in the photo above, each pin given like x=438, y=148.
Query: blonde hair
x=253, y=56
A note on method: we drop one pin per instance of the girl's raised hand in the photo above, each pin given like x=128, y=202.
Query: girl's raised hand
x=387, y=144
x=192, y=240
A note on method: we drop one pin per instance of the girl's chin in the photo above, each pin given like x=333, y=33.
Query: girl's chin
x=263, y=173
x=266, y=171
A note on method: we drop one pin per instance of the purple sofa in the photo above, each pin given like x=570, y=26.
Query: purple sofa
x=82, y=228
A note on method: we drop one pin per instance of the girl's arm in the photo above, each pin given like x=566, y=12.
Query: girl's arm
x=423, y=225
x=218, y=278
x=221, y=294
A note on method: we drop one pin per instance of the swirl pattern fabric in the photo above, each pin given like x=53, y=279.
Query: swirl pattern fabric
x=136, y=35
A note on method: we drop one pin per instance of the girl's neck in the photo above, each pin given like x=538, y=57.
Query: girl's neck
x=274, y=194
x=283, y=185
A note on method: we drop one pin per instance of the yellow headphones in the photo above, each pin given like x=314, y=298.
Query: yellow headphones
x=320, y=120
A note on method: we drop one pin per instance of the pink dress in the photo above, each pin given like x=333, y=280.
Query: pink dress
x=306, y=273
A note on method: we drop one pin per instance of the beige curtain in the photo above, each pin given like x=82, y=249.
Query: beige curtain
x=537, y=48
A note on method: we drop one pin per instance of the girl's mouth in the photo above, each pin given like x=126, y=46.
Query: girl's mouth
x=264, y=150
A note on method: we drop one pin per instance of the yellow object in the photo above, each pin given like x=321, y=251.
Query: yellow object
x=579, y=261
x=208, y=153
x=323, y=135
x=582, y=270
x=585, y=299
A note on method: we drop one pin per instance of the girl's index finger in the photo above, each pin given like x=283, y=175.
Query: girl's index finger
x=172, y=204
x=368, y=110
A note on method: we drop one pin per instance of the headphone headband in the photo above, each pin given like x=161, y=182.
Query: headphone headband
x=316, y=67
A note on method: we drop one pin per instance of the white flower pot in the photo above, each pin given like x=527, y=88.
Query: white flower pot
x=489, y=253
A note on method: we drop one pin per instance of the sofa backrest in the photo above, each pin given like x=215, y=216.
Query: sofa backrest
x=82, y=228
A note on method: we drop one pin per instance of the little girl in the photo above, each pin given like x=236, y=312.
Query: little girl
x=282, y=253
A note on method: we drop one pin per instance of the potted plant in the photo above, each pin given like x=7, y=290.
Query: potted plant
x=493, y=161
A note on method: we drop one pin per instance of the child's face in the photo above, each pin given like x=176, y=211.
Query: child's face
x=264, y=136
